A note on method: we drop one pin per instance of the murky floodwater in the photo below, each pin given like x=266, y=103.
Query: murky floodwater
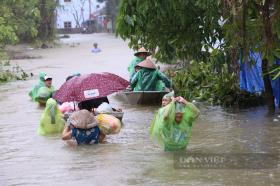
x=128, y=158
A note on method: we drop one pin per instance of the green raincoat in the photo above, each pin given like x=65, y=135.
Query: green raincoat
x=44, y=93
x=148, y=80
x=51, y=120
x=41, y=83
x=133, y=63
x=167, y=133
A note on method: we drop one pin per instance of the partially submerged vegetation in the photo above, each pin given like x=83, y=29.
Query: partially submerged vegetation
x=10, y=72
x=202, y=82
x=22, y=21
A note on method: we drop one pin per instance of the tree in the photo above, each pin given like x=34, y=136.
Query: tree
x=47, y=19
x=77, y=14
x=254, y=24
x=21, y=18
x=186, y=30
x=26, y=20
x=179, y=29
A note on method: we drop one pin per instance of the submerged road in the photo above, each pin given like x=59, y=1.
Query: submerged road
x=128, y=158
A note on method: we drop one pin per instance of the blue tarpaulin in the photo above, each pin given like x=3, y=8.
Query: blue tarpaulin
x=251, y=73
x=251, y=79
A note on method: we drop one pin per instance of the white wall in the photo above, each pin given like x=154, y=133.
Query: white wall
x=66, y=10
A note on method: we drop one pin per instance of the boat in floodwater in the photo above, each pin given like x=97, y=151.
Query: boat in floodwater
x=144, y=97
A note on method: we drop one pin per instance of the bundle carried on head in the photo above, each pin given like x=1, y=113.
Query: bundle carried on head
x=82, y=119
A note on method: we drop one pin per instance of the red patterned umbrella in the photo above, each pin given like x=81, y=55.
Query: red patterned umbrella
x=90, y=86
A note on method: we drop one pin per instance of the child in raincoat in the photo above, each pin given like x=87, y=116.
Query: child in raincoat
x=148, y=77
x=33, y=93
x=52, y=121
x=172, y=126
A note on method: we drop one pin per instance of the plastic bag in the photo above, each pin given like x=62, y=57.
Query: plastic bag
x=104, y=108
x=68, y=107
x=44, y=93
x=156, y=128
x=108, y=124
x=82, y=119
x=51, y=121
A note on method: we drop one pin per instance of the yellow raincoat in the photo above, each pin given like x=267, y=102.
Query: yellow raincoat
x=51, y=120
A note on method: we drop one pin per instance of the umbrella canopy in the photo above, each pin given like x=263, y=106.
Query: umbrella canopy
x=90, y=86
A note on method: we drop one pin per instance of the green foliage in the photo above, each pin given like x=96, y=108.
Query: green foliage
x=22, y=16
x=26, y=20
x=178, y=29
x=202, y=82
x=253, y=25
x=9, y=73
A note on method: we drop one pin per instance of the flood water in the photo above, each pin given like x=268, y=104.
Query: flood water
x=128, y=158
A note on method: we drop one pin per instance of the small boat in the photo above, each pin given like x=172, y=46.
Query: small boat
x=117, y=114
x=144, y=97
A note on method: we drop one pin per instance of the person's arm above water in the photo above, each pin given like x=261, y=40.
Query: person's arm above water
x=166, y=81
x=131, y=66
x=189, y=107
x=168, y=109
x=67, y=133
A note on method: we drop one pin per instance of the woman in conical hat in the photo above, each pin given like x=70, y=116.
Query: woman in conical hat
x=140, y=55
x=141, y=51
x=147, y=77
x=52, y=121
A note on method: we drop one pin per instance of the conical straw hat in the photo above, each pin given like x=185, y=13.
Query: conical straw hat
x=147, y=63
x=142, y=50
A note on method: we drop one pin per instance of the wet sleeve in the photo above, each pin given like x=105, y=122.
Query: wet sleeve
x=169, y=112
x=134, y=80
x=192, y=111
x=166, y=81
x=130, y=68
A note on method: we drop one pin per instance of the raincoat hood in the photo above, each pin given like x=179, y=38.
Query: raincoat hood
x=169, y=95
x=42, y=76
x=51, y=107
x=51, y=120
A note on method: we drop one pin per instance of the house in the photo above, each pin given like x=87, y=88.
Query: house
x=70, y=14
